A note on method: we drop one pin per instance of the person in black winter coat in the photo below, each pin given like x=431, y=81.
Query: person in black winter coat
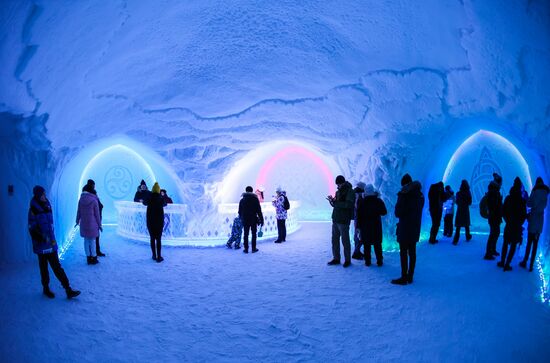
x=370, y=209
x=142, y=194
x=494, y=207
x=155, y=221
x=408, y=209
x=514, y=212
x=436, y=196
x=537, y=202
x=463, y=203
x=40, y=223
x=250, y=212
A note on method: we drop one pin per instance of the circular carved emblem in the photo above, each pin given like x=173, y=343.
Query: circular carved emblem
x=118, y=182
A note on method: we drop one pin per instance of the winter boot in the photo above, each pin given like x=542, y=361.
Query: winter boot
x=48, y=293
x=488, y=257
x=333, y=262
x=347, y=264
x=71, y=293
x=228, y=245
x=254, y=250
x=89, y=260
x=357, y=255
x=160, y=259
x=409, y=279
x=523, y=264
x=94, y=260
x=100, y=254
x=507, y=267
x=500, y=264
x=399, y=281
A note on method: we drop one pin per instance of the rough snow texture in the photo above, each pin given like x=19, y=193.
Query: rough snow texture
x=378, y=86
x=283, y=304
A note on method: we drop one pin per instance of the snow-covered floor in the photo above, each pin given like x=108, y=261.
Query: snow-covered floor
x=279, y=305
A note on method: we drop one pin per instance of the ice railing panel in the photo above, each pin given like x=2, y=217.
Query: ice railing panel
x=132, y=224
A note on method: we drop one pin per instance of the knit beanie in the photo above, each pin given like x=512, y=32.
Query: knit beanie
x=156, y=188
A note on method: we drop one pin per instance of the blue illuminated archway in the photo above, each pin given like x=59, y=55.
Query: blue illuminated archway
x=117, y=171
x=477, y=158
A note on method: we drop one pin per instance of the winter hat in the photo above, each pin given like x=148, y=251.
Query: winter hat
x=340, y=179
x=539, y=181
x=406, y=179
x=249, y=189
x=369, y=190
x=37, y=191
x=156, y=188
x=360, y=187
x=279, y=189
x=142, y=182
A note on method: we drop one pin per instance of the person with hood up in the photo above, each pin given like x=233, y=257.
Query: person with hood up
x=448, y=211
x=142, y=193
x=250, y=212
x=463, y=203
x=408, y=210
x=342, y=214
x=279, y=203
x=537, y=202
x=44, y=245
x=436, y=196
x=155, y=221
x=89, y=219
x=164, y=195
x=357, y=241
x=369, y=212
x=514, y=212
x=494, y=208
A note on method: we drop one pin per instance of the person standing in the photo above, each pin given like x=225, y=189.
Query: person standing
x=463, y=202
x=494, y=209
x=357, y=241
x=164, y=195
x=408, y=209
x=435, y=198
x=537, y=202
x=91, y=183
x=281, y=205
x=514, y=212
x=155, y=221
x=448, y=211
x=142, y=193
x=342, y=214
x=89, y=219
x=251, y=216
x=44, y=245
x=369, y=212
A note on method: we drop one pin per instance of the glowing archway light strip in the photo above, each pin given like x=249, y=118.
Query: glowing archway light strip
x=501, y=140
x=266, y=168
x=72, y=234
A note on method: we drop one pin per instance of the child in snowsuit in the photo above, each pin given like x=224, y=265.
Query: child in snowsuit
x=448, y=212
x=236, y=232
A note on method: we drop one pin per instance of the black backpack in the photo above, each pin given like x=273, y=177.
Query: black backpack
x=484, y=207
x=286, y=203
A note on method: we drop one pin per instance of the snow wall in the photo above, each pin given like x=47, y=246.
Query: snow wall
x=213, y=96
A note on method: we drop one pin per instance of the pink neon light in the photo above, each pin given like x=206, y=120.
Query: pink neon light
x=266, y=168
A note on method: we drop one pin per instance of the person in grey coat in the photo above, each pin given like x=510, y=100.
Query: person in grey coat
x=537, y=202
x=463, y=203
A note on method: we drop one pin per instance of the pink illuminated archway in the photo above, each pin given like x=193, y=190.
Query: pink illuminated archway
x=315, y=159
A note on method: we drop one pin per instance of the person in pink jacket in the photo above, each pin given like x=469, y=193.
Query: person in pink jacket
x=90, y=222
